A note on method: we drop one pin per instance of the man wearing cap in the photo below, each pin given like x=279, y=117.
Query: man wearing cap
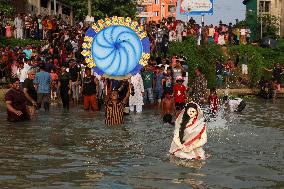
x=16, y=103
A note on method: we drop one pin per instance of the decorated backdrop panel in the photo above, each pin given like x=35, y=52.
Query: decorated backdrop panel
x=116, y=47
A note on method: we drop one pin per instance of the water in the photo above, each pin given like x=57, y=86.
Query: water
x=76, y=150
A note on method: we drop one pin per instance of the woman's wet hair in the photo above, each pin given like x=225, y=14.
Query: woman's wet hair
x=185, y=119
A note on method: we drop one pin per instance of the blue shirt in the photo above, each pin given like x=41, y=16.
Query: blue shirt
x=159, y=78
x=28, y=53
x=43, y=80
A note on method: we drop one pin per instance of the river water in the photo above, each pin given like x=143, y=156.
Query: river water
x=76, y=150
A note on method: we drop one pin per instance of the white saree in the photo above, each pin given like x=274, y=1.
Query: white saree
x=195, y=136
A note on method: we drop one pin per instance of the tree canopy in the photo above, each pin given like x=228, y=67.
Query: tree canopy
x=104, y=8
x=6, y=8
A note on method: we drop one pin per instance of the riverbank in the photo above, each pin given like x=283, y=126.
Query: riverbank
x=220, y=92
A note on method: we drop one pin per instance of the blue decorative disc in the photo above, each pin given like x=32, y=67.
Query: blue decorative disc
x=116, y=50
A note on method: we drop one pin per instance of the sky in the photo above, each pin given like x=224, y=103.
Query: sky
x=225, y=10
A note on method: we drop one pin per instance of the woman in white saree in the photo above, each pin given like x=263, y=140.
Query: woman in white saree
x=190, y=133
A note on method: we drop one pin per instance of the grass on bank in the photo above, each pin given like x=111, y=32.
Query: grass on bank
x=20, y=42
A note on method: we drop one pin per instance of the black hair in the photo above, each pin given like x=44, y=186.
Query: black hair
x=213, y=89
x=14, y=80
x=199, y=69
x=87, y=68
x=225, y=98
x=185, y=119
x=42, y=66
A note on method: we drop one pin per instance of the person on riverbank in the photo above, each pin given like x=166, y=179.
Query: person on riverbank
x=30, y=92
x=277, y=72
x=190, y=134
x=16, y=103
x=114, y=108
x=219, y=74
x=199, y=87
x=168, y=108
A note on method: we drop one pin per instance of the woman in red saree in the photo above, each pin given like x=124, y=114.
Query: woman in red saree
x=190, y=133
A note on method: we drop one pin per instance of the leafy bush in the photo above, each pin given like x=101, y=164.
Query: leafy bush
x=259, y=58
x=7, y=8
x=203, y=56
x=20, y=42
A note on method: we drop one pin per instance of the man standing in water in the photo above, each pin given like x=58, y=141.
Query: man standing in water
x=114, y=108
x=16, y=103
x=65, y=85
x=90, y=91
x=42, y=82
x=30, y=92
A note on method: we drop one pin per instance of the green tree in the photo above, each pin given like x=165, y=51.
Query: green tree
x=270, y=26
x=105, y=8
x=6, y=8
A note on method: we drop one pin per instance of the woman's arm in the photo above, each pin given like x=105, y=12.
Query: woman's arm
x=176, y=138
x=198, y=143
x=125, y=100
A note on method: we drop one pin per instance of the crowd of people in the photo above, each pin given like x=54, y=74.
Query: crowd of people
x=56, y=70
x=171, y=30
x=39, y=75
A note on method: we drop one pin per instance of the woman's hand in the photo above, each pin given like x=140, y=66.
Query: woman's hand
x=187, y=148
x=18, y=113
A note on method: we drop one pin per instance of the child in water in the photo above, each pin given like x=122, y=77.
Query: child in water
x=179, y=93
x=235, y=105
x=168, y=108
x=213, y=100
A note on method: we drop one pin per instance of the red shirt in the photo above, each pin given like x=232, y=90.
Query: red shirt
x=213, y=103
x=179, y=93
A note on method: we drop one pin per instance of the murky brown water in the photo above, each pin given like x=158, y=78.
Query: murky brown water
x=76, y=150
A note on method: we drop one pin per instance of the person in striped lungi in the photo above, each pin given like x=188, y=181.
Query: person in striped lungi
x=114, y=108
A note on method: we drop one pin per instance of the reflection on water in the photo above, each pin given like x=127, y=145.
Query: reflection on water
x=76, y=150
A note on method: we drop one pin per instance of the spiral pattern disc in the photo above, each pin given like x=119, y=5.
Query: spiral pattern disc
x=116, y=47
x=117, y=50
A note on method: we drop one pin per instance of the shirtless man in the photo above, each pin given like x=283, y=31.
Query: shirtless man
x=168, y=108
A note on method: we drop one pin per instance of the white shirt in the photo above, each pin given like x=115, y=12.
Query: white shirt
x=243, y=31
x=234, y=103
x=23, y=73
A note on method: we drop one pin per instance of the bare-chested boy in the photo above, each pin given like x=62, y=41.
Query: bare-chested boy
x=168, y=108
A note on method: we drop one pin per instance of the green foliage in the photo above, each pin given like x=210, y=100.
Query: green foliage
x=105, y=8
x=259, y=58
x=204, y=56
x=270, y=26
x=20, y=42
x=6, y=8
